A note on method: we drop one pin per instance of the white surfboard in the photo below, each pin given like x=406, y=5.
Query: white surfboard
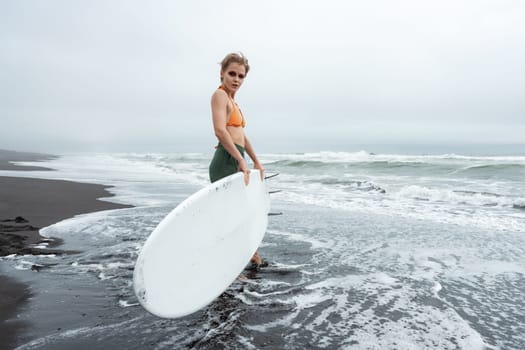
x=202, y=246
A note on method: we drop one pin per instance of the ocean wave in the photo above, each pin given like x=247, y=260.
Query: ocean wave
x=493, y=169
x=297, y=163
x=370, y=164
x=510, y=168
x=349, y=184
x=452, y=196
x=482, y=209
x=365, y=156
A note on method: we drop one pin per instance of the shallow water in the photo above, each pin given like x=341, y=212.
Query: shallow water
x=372, y=252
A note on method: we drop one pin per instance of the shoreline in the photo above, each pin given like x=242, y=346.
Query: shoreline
x=30, y=204
x=26, y=206
x=6, y=157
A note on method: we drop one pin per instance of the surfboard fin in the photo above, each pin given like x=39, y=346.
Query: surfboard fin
x=270, y=176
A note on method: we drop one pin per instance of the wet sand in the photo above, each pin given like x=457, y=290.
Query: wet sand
x=26, y=206
x=13, y=294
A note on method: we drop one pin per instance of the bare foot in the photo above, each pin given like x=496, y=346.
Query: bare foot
x=256, y=259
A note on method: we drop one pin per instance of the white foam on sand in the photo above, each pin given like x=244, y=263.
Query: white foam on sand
x=126, y=303
x=397, y=325
x=139, y=181
x=299, y=237
x=43, y=342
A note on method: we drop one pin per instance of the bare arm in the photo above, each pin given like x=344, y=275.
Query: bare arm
x=249, y=149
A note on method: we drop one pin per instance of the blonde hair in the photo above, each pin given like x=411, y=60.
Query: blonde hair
x=235, y=57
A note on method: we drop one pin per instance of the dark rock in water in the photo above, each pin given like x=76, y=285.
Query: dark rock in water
x=20, y=219
x=10, y=244
x=519, y=206
x=36, y=267
x=4, y=228
x=17, y=236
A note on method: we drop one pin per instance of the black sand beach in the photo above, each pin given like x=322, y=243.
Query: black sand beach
x=401, y=252
x=26, y=206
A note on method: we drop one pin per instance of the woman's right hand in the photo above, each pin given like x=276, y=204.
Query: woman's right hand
x=243, y=167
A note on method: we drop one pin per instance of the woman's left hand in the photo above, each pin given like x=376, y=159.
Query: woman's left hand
x=259, y=166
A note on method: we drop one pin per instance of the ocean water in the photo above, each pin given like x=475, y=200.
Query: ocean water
x=373, y=251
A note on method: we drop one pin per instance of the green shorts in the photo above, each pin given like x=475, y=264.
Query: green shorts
x=223, y=164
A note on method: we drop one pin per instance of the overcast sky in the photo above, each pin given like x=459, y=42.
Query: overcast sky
x=138, y=76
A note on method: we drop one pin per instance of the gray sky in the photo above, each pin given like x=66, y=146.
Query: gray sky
x=138, y=76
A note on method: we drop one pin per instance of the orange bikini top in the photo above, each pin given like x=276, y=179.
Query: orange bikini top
x=236, y=117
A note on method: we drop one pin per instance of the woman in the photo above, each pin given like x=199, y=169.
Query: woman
x=229, y=123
